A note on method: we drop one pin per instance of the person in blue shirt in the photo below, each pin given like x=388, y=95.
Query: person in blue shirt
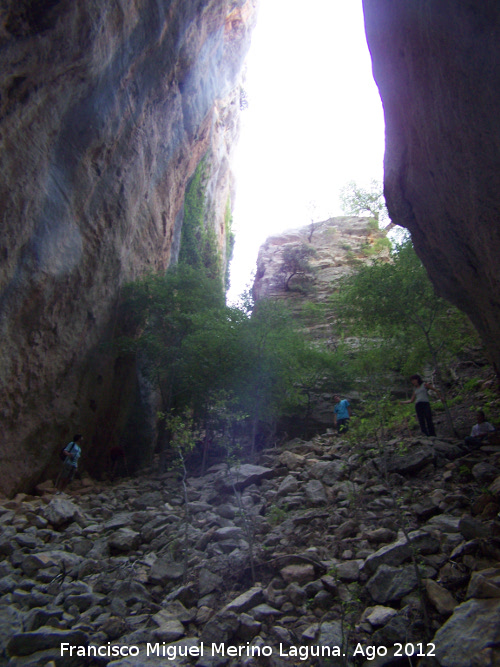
x=341, y=414
x=72, y=452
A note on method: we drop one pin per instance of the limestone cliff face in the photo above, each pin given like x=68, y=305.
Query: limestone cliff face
x=437, y=67
x=105, y=111
x=338, y=244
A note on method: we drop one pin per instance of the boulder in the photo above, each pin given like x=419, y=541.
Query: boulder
x=410, y=463
x=164, y=570
x=291, y=461
x=390, y=584
x=441, y=598
x=60, y=511
x=169, y=628
x=45, y=637
x=329, y=472
x=484, y=584
x=208, y=581
x=299, y=573
x=470, y=631
x=378, y=615
x=288, y=485
x=247, y=600
x=239, y=477
x=124, y=540
x=315, y=493
x=394, y=554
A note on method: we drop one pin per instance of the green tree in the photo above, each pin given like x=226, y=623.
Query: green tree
x=164, y=311
x=296, y=263
x=198, y=247
x=357, y=200
x=396, y=301
x=267, y=381
x=225, y=366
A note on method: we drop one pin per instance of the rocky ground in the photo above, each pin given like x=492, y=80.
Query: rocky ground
x=324, y=548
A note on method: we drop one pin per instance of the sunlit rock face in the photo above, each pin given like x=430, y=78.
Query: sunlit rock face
x=105, y=111
x=338, y=245
x=438, y=71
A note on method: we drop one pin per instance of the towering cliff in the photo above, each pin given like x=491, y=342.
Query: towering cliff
x=331, y=249
x=106, y=110
x=437, y=67
x=336, y=245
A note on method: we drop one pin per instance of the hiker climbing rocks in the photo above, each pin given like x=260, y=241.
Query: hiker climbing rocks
x=422, y=404
x=71, y=453
x=341, y=414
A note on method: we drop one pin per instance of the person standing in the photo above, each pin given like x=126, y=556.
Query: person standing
x=341, y=414
x=420, y=397
x=72, y=453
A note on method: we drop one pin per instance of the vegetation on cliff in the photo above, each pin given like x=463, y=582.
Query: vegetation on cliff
x=400, y=325
x=233, y=369
x=198, y=240
x=233, y=374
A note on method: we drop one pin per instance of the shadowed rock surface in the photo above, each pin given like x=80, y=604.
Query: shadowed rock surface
x=437, y=68
x=106, y=109
x=133, y=563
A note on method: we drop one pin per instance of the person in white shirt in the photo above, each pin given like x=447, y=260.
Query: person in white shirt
x=72, y=453
x=480, y=431
x=422, y=404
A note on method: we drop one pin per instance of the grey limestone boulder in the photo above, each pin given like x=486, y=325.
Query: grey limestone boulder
x=124, y=540
x=247, y=600
x=26, y=643
x=315, y=493
x=389, y=584
x=398, y=552
x=60, y=511
x=412, y=462
x=239, y=477
x=287, y=486
x=469, y=634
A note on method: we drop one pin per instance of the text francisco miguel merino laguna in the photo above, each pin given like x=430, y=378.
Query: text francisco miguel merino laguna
x=185, y=649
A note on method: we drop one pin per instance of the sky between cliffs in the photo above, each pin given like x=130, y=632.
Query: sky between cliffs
x=314, y=122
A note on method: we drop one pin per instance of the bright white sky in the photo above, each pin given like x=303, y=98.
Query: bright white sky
x=314, y=122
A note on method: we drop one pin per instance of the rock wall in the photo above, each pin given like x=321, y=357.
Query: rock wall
x=339, y=245
x=437, y=68
x=105, y=111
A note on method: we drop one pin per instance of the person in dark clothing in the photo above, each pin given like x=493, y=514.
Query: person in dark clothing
x=422, y=404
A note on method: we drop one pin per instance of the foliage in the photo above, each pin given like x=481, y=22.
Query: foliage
x=231, y=368
x=183, y=433
x=193, y=222
x=395, y=302
x=198, y=240
x=230, y=239
x=268, y=379
x=375, y=248
x=276, y=515
x=357, y=200
x=296, y=263
x=312, y=313
x=167, y=310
